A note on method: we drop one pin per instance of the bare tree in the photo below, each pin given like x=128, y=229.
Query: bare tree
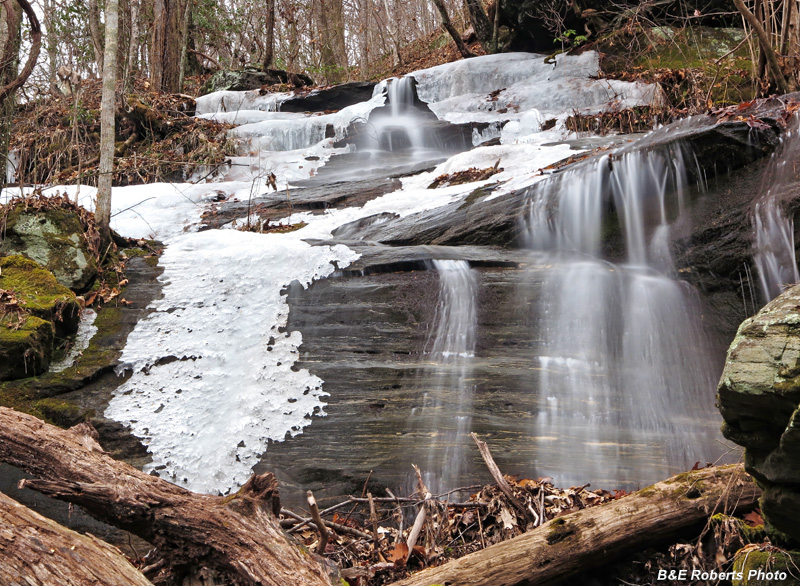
x=107, y=123
x=269, y=33
x=448, y=25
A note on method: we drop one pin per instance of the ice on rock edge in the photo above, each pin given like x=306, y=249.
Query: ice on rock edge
x=458, y=91
x=211, y=371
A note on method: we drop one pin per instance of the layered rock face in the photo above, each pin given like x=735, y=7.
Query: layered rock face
x=759, y=397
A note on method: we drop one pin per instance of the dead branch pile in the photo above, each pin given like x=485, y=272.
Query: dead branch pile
x=56, y=140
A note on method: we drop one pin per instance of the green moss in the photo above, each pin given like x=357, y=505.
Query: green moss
x=751, y=563
x=60, y=412
x=35, y=286
x=748, y=534
x=26, y=346
x=559, y=531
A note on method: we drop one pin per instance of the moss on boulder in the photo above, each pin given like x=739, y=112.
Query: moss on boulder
x=47, y=311
x=766, y=568
x=25, y=348
x=40, y=294
x=54, y=239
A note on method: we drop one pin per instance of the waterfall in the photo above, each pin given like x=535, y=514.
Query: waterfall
x=612, y=333
x=774, y=252
x=400, y=129
x=448, y=390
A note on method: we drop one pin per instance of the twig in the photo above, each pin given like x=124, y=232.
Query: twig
x=286, y=523
x=373, y=517
x=502, y=483
x=323, y=531
x=419, y=522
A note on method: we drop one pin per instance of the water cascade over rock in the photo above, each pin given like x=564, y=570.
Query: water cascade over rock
x=611, y=333
x=446, y=412
x=774, y=248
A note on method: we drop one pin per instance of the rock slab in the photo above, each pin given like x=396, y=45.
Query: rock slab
x=759, y=397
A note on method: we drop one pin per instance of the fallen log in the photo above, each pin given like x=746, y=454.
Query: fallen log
x=596, y=536
x=35, y=551
x=235, y=536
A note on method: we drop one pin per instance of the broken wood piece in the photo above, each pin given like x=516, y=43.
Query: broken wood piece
x=502, y=483
x=236, y=536
x=598, y=535
x=36, y=551
x=373, y=517
x=321, y=529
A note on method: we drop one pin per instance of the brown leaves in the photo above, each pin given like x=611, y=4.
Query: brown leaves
x=468, y=176
x=12, y=306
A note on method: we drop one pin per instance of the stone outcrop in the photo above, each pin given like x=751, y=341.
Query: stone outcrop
x=250, y=79
x=53, y=238
x=48, y=310
x=332, y=98
x=759, y=397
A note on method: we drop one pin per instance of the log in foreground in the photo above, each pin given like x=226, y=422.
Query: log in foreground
x=236, y=536
x=596, y=536
x=35, y=551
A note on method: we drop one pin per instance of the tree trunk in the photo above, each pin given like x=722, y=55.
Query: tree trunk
x=596, y=536
x=107, y=125
x=329, y=21
x=480, y=22
x=462, y=48
x=166, y=56
x=36, y=551
x=94, y=33
x=236, y=536
x=269, y=33
x=185, y=22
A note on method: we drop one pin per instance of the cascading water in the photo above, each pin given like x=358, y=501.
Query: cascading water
x=400, y=128
x=445, y=412
x=611, y=334
x=774, y=253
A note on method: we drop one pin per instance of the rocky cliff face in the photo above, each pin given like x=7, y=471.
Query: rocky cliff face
x=759, y=397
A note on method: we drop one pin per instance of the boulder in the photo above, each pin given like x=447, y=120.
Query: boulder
x=250, y=79
x=53, y=238
x=759, y=398
x=25, y=348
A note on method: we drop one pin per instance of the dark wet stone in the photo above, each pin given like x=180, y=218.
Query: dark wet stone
x=331, y=98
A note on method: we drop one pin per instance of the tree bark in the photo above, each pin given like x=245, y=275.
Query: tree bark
x=480, y=22
x=94, y=33
x=269, y=33
x=236, y=536
x=595, y=536
x=35, y=551
x=462, y=48
x=107, y=125
x=36, y=44
x=167, y=42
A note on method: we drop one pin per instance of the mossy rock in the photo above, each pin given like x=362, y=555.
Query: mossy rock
x=40, y=294
x=766, y=568
x=26, y=348
x=54, y=239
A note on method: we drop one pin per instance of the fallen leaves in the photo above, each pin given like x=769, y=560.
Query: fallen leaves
x=470, y=175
